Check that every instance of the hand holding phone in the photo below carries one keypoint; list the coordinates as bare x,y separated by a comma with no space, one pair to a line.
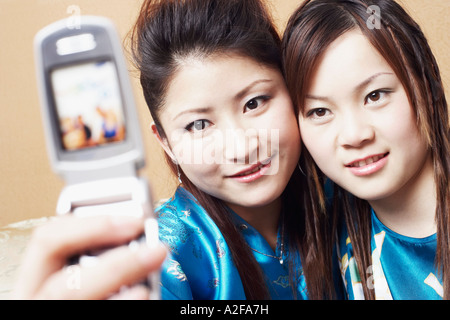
92,128
41,275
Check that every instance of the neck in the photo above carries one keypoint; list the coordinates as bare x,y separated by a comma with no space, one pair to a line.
264,219
411,210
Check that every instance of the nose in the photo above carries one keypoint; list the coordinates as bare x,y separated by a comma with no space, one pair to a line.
241,144
355,131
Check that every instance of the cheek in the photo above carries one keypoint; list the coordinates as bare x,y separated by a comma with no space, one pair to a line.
200,159
287,126
190,150
409,146
201,175
290,135
398,124
317,144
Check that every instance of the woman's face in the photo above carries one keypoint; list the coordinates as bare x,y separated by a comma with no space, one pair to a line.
231,127
358,123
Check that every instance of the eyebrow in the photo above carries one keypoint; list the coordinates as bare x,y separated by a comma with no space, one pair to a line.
244,91
239,95
358,88
195,110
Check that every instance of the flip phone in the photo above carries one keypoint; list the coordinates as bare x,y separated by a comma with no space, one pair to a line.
91,126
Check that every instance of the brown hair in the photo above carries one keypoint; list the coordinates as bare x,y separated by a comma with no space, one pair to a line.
171,30
398,38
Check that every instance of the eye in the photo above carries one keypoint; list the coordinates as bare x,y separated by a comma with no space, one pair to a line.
318,113
321,112
254,103
376,96
198,125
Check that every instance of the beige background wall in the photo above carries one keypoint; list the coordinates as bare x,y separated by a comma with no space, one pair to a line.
28,187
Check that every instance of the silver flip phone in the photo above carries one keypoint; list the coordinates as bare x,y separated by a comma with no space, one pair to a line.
91,125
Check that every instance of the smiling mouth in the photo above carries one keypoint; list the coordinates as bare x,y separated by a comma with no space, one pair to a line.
253,169
253,173
246,173
366,161
369,165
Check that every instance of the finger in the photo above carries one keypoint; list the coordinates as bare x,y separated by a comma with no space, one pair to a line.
137,292
52,244
71,235
114,269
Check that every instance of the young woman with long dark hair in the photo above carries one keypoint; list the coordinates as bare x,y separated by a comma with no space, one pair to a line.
374,119
237,227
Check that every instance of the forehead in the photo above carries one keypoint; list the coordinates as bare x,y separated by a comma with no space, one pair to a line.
350,58
213,80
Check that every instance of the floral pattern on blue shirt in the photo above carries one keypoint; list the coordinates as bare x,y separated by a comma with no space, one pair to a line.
402,267
200,265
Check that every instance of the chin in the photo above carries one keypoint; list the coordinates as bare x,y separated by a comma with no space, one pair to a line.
258,199
370,195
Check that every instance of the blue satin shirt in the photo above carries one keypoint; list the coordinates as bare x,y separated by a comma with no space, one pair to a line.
200,265
402,267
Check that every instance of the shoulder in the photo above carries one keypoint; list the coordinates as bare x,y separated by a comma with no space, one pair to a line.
182,197
177,219
178,207
199,255
186,228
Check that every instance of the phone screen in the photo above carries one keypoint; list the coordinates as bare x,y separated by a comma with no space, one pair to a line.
88,105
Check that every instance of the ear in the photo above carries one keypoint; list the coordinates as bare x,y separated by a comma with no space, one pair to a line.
163,142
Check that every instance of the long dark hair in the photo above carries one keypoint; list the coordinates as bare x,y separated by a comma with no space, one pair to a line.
171,30
168,31
398,38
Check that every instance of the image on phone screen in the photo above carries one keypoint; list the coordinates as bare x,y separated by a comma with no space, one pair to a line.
88,105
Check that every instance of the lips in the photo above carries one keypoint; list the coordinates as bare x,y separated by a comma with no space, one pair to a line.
366,161
368,165
252,173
